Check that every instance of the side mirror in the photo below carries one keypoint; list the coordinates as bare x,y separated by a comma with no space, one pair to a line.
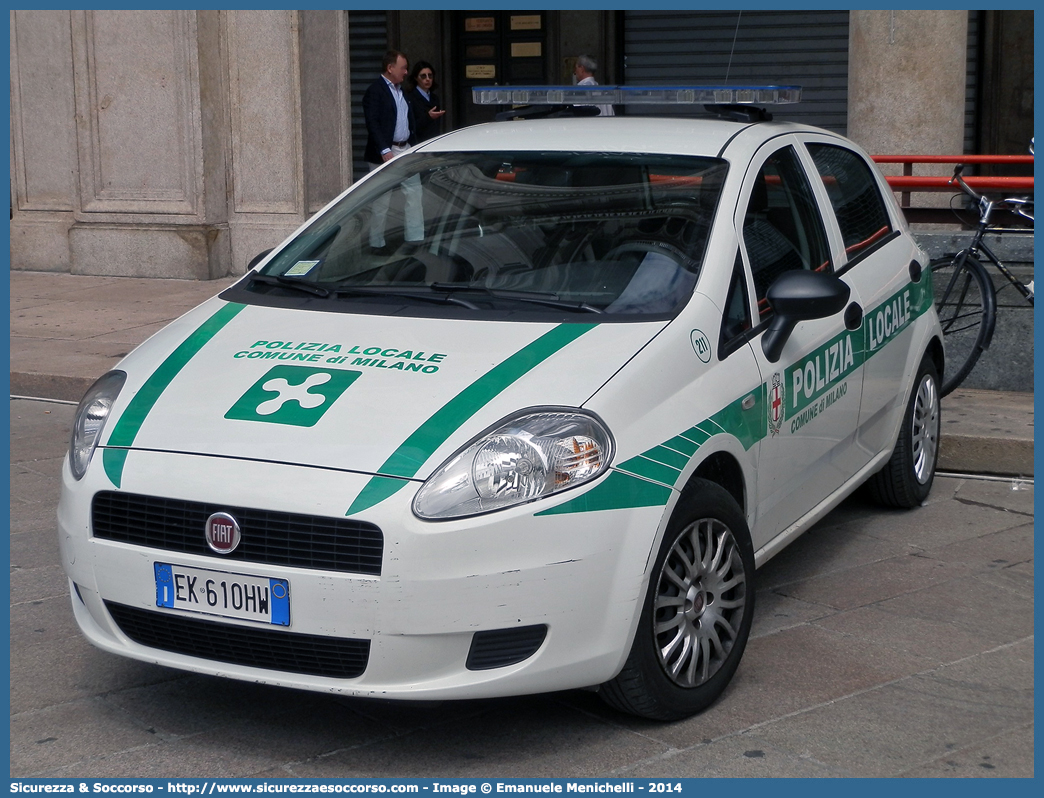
799,296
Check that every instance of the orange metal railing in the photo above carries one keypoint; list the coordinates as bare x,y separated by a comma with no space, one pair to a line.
908,181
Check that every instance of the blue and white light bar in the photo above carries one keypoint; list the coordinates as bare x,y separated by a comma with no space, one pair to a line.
636,95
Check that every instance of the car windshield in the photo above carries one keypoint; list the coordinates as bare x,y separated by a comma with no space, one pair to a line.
536,232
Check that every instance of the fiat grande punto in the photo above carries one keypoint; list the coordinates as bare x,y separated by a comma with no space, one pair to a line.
523,410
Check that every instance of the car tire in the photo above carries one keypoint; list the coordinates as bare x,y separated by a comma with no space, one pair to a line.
697,611
906,480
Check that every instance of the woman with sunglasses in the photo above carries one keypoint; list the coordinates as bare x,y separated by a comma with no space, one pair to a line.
427,110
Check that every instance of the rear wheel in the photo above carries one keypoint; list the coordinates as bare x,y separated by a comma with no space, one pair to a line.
697,612
906,479
967,308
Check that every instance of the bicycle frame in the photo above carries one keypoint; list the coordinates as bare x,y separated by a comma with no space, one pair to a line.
967,304
978,246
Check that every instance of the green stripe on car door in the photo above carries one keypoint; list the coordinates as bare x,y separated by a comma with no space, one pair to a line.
141,404
749,425
407,460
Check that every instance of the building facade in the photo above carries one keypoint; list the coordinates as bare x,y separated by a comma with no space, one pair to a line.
177,143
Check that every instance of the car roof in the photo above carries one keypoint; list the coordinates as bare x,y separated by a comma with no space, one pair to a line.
666,135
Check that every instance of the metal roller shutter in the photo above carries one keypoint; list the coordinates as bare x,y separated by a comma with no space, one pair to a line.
971,102
367,43
804,48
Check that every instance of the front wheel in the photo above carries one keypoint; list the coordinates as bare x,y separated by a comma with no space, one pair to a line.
907,477
697,611
967,308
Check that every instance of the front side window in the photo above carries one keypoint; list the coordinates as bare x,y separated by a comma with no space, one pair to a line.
860,210
546,233
782,228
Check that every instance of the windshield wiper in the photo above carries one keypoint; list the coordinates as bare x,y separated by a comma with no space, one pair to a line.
534,297
317,290
289,282
445,293
421,294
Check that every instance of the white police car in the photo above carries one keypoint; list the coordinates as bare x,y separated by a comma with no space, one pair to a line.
521,411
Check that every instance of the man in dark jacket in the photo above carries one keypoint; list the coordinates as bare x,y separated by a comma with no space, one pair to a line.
389,122
390,129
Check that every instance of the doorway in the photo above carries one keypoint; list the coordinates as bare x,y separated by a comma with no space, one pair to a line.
497,47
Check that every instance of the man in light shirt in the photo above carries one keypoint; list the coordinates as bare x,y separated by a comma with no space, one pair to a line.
583,72
390,132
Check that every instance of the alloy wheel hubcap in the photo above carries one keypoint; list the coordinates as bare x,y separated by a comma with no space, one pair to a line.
925,429
695,602
700,599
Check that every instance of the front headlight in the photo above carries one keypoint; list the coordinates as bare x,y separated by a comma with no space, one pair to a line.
526,457
90,419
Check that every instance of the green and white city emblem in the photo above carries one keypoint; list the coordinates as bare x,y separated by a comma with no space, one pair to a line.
296,395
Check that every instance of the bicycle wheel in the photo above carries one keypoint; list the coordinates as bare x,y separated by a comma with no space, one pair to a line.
967,307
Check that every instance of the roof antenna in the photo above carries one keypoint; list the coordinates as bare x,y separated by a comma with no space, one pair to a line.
739,113
733,50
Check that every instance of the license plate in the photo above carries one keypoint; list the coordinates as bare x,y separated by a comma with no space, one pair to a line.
228,595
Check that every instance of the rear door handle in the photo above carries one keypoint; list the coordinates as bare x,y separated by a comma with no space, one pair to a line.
853,316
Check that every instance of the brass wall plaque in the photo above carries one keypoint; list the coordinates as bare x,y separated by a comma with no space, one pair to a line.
480,24
526,49
480,71
484,51
525,22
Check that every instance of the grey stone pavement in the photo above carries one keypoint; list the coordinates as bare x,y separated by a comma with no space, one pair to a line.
884,643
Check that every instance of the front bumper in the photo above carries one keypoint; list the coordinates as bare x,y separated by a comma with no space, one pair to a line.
581,576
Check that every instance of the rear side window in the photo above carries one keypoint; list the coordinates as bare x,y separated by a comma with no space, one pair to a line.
860,210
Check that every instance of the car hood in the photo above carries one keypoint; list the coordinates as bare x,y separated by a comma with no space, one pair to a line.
372,394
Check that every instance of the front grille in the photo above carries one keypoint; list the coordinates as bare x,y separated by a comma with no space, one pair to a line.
298,541
497,648
315,655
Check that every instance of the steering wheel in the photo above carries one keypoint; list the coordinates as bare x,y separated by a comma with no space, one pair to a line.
657,247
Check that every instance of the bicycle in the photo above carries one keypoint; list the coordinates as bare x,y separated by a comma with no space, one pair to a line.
966,299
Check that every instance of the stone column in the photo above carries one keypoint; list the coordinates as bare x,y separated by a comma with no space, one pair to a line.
289,122
264,86
171,143
147,184
906,85
43,140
